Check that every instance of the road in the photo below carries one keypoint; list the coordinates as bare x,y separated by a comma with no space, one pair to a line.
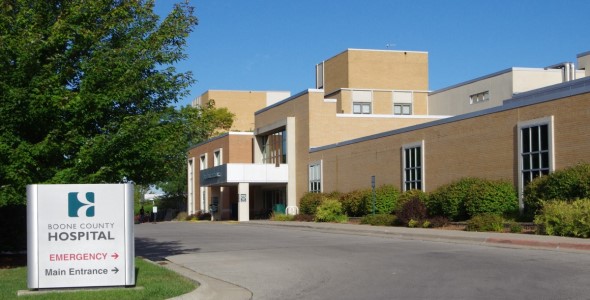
299,263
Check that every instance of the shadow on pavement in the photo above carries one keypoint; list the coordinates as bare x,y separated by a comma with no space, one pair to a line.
157,251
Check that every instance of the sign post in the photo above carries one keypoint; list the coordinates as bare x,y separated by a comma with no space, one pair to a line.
80,235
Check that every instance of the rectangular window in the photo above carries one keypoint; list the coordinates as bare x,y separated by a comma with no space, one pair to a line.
402,109
203,162
315,177
274,148
479,97
536,150
217,158
361,108
413,166
402,103
361,102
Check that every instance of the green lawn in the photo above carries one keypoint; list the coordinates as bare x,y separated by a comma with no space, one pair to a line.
157,283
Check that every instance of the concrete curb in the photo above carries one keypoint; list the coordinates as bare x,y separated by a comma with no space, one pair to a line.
513,240
209,287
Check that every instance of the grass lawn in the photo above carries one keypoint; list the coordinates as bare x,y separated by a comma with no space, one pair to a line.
158,283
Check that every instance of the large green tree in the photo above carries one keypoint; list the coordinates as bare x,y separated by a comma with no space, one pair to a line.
86,89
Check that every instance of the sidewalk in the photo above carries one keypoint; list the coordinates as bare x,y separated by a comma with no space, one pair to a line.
211,288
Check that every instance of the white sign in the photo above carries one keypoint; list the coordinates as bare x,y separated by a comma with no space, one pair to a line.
80,235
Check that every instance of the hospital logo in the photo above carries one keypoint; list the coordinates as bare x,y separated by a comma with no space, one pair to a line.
79,206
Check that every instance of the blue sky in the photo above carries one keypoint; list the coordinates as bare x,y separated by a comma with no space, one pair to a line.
275,44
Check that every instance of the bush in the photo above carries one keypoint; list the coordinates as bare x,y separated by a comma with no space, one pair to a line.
409,195
355,203
386,197
566,184
181,216
515,227
564,218
413,210
491,197
438,221
303,218
330,211
310,201
281,217
486,222
469,197
379,220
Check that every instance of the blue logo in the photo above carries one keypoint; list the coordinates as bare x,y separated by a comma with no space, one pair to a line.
80,207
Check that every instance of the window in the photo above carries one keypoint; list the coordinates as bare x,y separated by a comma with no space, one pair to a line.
535,147
361,108
361,102
203,162
412,158
402,109
402,103
217,159
274,148
479,97
319,76
315,177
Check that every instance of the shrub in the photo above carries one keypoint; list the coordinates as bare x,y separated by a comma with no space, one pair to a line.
379,220
515,227
566,184
564,218
181,216
309,202
386,197
469,197
438,221
415,210
355,203
486,222
330,211
281,217
203,216
409,195
491,197
303,218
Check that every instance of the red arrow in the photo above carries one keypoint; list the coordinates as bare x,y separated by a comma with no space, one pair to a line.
115,255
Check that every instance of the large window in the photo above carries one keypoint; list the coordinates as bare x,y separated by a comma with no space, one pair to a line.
535,147
315,177
274,148
413,166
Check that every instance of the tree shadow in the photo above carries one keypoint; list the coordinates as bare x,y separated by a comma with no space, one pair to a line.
157,251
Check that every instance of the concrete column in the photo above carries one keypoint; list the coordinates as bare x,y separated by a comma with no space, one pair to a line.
243,201
292,208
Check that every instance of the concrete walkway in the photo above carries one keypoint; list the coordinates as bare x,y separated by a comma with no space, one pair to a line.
211,288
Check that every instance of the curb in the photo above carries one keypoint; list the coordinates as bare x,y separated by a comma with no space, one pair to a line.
209,287
554,243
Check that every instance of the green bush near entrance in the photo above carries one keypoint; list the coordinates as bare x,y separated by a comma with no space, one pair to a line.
564,218
330,211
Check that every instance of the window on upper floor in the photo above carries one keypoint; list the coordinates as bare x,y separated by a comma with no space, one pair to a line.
315,177
413,166
362,102
274,148
479,97
217,158
402,103
203,162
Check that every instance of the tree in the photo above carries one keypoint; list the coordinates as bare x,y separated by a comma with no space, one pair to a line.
86,89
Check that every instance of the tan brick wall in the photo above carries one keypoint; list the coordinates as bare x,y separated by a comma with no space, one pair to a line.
484,146
241,103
